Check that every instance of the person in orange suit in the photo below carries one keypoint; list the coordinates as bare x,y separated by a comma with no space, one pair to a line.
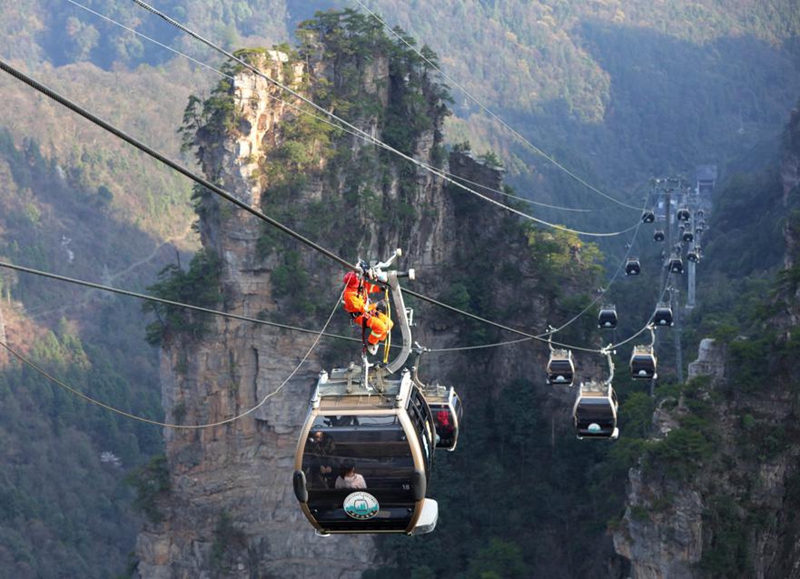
379,324
356,294
365,314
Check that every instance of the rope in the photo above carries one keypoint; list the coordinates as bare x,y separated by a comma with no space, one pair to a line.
96,402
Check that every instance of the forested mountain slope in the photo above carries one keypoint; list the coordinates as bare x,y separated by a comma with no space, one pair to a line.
617,91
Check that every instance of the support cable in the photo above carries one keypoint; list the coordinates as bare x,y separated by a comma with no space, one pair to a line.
222,193
168,302
169,162
416,162
365,136
533,147
126,414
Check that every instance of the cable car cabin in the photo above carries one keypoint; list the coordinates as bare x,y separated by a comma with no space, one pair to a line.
447,414
632,266
648,217
688,237
643,363
663,315
693,255
700,214
560,368
675,265
683,214
658,235
607,318
595,411
364,456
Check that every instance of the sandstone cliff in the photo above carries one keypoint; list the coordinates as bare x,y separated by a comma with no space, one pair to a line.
231,510
240,473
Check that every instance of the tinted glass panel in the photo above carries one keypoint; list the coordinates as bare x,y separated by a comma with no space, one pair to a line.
560,367
590,410
376,447
459,409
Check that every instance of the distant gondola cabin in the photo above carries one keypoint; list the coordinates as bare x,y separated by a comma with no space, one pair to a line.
448,415
663,315
632,266
607,318
560,368
595,411
643,363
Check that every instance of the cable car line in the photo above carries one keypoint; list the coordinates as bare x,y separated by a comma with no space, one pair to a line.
362,135
604,290
222,193
518,198
169,162
377,142
169,302
173,426
533,147
153,40
218,191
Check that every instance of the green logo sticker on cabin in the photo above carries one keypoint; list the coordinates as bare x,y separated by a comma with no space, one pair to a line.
361,506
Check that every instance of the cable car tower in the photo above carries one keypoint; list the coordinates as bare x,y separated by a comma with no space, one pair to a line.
365,452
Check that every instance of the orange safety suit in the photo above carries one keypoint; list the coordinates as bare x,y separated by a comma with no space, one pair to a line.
379,324
356,302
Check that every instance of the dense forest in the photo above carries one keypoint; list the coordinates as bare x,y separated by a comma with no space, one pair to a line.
711,82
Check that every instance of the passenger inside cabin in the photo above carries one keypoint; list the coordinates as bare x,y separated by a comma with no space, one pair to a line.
348,477
320,445
444,428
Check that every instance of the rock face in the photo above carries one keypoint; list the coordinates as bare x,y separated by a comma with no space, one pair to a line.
241,470
710,361
231,510
661,543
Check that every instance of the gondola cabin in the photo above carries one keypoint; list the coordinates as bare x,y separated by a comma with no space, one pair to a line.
688,237
643,363
683,214
632,266
607,318
364,456
663,315
560,368
659,235
648,217
693,255
700,214
448,414
595,411
675,265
